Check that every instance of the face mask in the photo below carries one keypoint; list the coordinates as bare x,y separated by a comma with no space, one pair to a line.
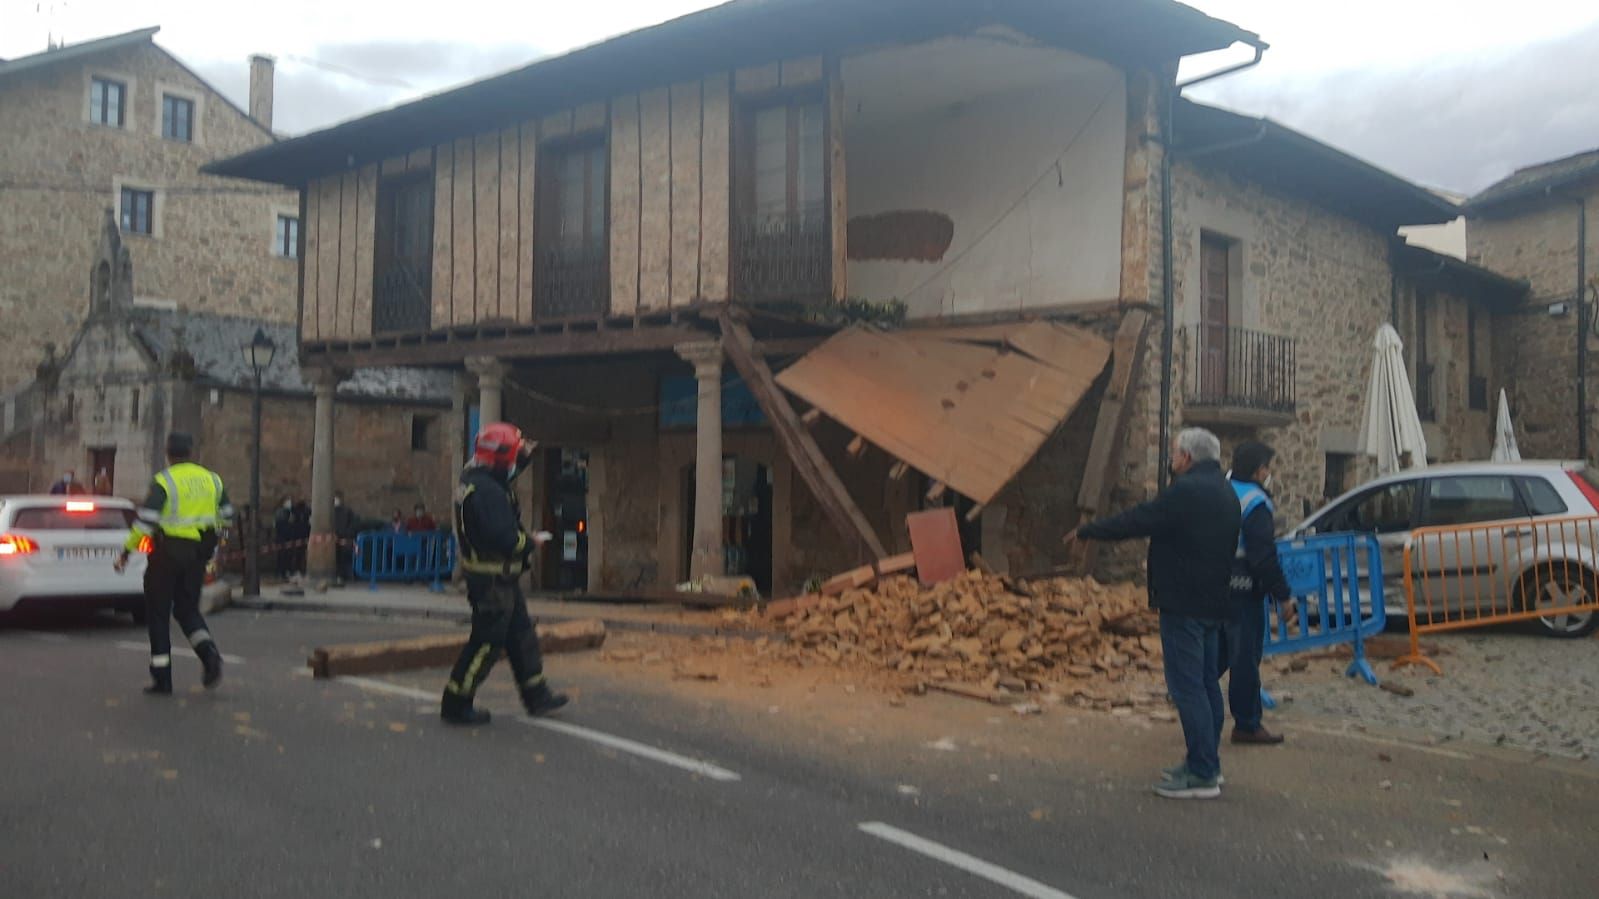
1266,482
337,502
287,504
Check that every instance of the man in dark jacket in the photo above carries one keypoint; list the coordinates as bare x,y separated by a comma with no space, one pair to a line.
495,552
1192,528
1257,575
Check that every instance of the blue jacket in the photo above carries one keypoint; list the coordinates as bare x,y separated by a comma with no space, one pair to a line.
1256,572
1192,528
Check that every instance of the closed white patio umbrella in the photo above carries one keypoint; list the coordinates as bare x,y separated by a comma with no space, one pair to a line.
1391,429
1505,449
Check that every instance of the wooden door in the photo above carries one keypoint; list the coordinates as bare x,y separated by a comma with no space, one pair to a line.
1214,278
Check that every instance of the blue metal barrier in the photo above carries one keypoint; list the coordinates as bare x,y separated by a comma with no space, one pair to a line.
1337,580
393,556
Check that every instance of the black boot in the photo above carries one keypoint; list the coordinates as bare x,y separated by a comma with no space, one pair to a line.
457,709
211,658
540,700
160,682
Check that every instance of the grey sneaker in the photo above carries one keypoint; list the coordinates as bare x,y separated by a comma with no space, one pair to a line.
1182,768
1186,786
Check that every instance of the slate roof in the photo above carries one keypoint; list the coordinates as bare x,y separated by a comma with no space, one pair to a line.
1535,179
76,51
216,343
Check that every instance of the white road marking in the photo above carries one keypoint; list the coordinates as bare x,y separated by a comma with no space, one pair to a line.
1012,881
621,744
133,646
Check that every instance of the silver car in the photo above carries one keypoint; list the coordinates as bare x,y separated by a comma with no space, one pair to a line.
1539,553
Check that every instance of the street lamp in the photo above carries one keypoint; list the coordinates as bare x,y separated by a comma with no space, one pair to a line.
258,352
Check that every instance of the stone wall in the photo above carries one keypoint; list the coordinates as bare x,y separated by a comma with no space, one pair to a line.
1538,242
213,250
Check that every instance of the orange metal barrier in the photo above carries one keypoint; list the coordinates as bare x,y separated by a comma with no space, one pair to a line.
1496,573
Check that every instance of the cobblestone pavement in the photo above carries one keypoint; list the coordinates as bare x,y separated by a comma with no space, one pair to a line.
1504,687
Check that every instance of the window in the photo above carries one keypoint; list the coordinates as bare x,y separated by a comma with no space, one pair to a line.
402,271
1469,499
59,518
286,239
1426,398
1476,381
1335,476
572,268
138,211
1381,510
420,424
177,118
133,410
1542,498
107,102
781,235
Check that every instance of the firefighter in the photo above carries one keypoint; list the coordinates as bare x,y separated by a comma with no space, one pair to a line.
495,552
178,523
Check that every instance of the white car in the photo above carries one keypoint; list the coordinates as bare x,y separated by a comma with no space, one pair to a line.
57,552
1534,557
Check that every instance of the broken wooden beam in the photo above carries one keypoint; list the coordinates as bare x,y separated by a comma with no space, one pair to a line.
856,446
1100,474
936,491
801,447
975,512
969,691
811,417
898,471
866,574
440,650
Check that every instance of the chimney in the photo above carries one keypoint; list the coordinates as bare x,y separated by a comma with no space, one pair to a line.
261,70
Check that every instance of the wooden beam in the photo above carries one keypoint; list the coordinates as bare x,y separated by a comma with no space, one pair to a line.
796,440
522,345
898,471
811,417
856,446
936,491
440,650
975,512
1110,430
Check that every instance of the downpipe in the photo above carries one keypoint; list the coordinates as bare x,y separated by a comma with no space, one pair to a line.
1168,298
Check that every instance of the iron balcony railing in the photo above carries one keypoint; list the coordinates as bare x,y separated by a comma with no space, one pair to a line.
572,282
402,298
1241,369
782,258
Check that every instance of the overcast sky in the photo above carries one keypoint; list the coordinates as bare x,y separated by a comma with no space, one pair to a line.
1452,93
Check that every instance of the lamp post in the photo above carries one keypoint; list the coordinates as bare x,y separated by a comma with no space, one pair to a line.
258,352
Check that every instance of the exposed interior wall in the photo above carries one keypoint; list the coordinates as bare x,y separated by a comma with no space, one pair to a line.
1021,150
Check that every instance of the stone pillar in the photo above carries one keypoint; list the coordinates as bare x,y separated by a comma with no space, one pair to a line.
706,557
490,389
321,559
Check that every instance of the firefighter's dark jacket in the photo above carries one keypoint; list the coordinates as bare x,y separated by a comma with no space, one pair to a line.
490,527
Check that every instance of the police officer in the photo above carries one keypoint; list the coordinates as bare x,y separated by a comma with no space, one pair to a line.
495,552
1257,576
179,519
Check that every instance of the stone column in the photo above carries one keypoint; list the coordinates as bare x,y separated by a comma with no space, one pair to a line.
321,559
490,389
706,557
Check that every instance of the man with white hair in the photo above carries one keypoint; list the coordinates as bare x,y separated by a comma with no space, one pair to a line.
1192,528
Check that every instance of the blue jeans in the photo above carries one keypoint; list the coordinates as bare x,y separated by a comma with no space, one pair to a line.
1243,642
1192,647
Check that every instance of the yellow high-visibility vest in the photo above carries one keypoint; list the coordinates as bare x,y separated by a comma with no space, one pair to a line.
195,503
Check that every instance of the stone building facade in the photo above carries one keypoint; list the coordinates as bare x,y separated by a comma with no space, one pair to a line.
1526,227
131,374
85,123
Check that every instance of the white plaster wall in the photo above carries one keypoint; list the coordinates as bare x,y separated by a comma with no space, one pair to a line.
1027,232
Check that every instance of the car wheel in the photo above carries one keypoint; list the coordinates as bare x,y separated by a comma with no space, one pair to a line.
1556,586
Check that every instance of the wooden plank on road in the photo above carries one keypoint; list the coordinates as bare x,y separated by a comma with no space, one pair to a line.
440,650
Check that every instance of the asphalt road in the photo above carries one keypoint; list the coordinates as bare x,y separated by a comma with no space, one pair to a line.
278,785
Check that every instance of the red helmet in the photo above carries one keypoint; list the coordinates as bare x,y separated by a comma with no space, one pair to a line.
498,444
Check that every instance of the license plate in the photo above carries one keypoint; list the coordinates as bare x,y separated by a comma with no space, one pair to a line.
84,553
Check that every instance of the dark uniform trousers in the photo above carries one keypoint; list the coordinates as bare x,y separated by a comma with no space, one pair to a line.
173,579
500,624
